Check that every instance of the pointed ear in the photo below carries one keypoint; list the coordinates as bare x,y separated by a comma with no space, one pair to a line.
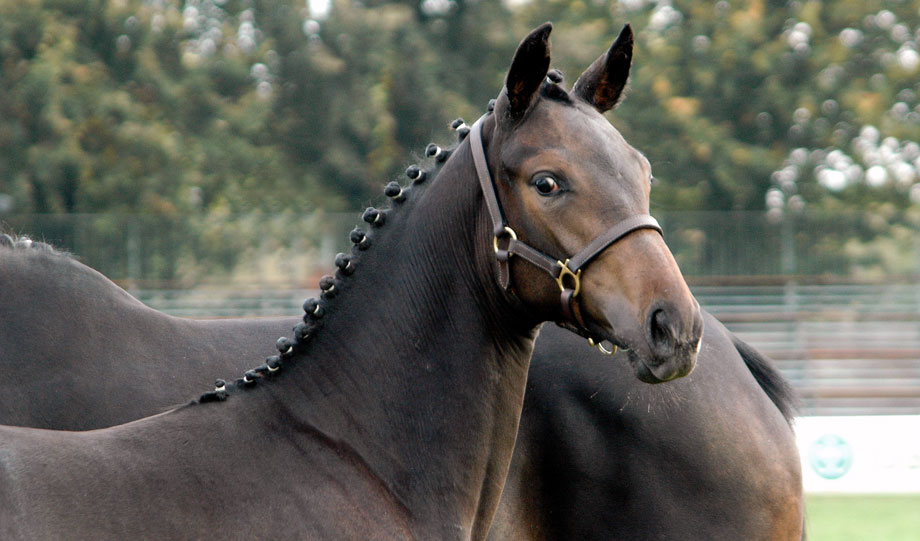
527,71
603,82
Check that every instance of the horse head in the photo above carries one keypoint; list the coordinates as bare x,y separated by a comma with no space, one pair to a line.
572,234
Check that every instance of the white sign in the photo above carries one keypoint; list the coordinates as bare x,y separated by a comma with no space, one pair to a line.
865,454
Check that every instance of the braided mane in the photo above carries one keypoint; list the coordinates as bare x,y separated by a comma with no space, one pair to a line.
316,309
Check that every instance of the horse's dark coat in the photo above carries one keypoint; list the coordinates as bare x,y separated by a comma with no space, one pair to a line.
398,417
600,456
574,472
77,352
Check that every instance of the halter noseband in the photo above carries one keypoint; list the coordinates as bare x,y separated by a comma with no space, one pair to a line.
566,273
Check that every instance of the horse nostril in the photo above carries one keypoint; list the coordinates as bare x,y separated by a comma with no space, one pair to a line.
659,328
672,335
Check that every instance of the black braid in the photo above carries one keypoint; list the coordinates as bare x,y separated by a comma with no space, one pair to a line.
329,284
249,379
285,347
395,192
420,177
302,332
373,216
313,308
343,262
219,394
360,240
273,363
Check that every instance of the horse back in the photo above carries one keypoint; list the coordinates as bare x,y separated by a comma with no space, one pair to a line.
78,352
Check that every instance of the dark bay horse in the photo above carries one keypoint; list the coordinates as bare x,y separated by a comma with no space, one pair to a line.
77,352
392,411
707,457
574,472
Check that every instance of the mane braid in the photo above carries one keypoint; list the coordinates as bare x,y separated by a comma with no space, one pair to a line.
552,88
315,310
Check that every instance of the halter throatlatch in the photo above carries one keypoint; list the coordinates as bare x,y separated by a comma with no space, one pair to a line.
566,273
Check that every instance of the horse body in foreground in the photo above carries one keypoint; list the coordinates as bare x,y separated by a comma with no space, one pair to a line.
397,418
576,471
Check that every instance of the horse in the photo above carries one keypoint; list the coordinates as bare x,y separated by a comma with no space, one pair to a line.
77,352
393,409
709,456
584,418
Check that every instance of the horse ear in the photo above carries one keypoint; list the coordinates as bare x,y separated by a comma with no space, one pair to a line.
528,70
603,82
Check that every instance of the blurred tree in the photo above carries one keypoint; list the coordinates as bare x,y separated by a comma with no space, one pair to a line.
211,108
131,106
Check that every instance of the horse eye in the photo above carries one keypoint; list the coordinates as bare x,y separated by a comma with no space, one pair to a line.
546,185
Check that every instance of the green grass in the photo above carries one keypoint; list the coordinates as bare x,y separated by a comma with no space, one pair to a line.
863,517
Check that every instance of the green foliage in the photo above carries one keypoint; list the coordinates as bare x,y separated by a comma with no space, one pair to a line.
212,108
129,107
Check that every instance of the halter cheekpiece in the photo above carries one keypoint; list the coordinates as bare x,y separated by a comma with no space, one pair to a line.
566,273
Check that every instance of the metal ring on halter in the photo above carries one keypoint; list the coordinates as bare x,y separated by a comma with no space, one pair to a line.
566,271
600,347
507,230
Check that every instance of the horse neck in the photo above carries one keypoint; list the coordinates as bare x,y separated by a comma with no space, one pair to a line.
417,370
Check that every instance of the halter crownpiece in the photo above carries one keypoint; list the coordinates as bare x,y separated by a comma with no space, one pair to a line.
566,273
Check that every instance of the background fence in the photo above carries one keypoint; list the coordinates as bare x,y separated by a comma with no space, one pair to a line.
835,302
714,247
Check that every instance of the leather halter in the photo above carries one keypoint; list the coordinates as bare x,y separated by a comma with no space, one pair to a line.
566,273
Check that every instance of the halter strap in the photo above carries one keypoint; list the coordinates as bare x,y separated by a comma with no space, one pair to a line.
568,273
499,225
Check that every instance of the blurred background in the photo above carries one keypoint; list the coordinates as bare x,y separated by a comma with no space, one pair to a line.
211,155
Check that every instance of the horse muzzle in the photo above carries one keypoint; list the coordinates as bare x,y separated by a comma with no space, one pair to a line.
667,345
673,338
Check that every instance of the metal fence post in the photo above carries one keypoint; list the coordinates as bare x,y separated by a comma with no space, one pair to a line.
133,249
787,239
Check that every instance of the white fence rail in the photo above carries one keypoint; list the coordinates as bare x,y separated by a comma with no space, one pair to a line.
848,350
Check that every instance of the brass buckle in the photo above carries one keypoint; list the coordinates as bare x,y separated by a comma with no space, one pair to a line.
509,232
566,271
600,347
